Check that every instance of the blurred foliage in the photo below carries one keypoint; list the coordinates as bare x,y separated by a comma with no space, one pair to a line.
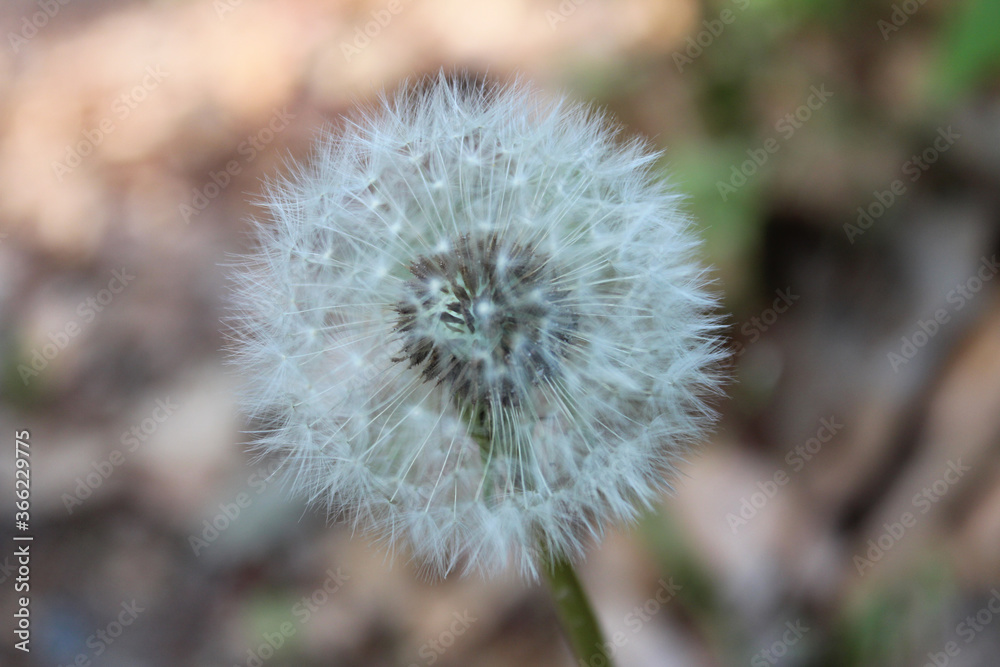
968,48
890,624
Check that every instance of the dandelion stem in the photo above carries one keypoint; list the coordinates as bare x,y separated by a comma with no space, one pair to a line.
577,616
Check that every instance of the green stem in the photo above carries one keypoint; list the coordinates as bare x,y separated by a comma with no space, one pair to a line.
576,614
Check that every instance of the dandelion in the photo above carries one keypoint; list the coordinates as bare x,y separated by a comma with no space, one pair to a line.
476,326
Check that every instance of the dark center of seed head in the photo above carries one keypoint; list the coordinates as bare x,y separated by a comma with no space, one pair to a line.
486,318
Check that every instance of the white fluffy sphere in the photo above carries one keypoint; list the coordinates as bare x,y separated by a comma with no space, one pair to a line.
475,325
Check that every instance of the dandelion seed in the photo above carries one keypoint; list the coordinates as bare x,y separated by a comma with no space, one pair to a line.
480,321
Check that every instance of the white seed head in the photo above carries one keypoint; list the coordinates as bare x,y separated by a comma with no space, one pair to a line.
475,326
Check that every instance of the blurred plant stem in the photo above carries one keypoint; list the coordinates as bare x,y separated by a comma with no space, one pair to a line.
575,612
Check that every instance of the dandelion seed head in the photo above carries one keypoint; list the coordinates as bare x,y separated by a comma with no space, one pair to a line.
477,325
486,319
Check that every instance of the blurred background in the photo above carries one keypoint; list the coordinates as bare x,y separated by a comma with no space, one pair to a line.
843,161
